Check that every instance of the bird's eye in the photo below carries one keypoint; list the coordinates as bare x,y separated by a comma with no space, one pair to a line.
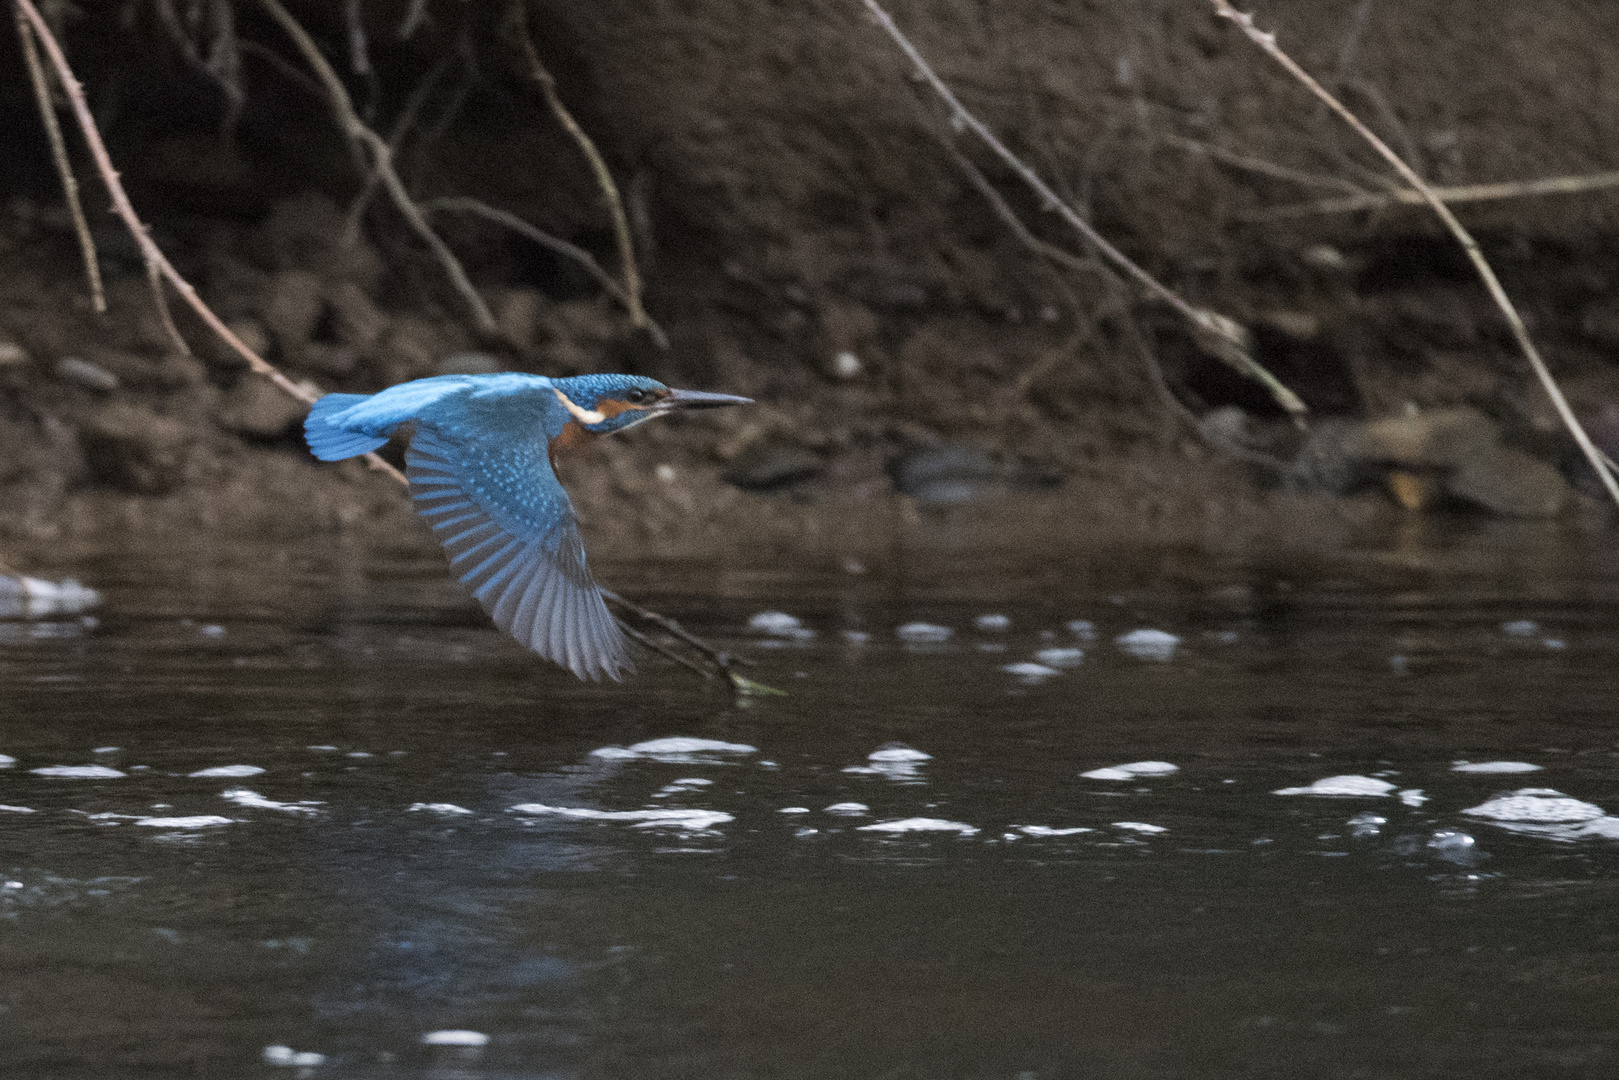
635,397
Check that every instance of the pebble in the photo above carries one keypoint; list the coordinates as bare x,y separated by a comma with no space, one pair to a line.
71,369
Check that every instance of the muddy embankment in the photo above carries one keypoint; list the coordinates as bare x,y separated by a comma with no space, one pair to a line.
806,238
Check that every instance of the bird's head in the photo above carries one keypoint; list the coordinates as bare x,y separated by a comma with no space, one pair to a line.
603,404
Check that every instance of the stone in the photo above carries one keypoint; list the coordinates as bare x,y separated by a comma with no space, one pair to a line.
1510,483
957,472
773,462
131,447
71,369
257,408
1439,438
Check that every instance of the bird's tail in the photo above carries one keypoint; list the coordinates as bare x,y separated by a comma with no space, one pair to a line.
331,441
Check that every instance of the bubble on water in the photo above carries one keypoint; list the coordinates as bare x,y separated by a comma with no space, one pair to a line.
455,1038
675,750
77,772
686,820
848,809
993,623
253,800
1047,830
1148,644
793,810
212,630
1060,658
1366,824
922,633
197,821
1132,770
1413,797
1540,806
1083,629
1139,826
1342,786
1455,847
1027,669
1494,767
227,771
287,1056
895,761
1521,627
920,824
1555,643
447,808
780,624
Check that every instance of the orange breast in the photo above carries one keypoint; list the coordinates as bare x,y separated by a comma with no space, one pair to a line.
574,435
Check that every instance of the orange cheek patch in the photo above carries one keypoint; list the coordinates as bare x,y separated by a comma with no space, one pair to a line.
611,407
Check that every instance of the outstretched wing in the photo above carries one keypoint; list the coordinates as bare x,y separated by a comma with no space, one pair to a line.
508,527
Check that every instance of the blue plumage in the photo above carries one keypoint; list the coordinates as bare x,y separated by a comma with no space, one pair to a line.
480,471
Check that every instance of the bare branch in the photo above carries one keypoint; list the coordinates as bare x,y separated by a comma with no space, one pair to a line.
1520,333
381,159
1515,189
1214,332
64,169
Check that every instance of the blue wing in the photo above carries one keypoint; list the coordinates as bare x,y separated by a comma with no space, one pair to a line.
508,526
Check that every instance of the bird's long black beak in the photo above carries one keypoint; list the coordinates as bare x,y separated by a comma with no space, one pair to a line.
699,399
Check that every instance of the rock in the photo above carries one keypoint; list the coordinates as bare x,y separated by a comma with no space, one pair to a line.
957,472
131,447
772,462
292,308
358,321
257,408
71,369
1510,483
1440,438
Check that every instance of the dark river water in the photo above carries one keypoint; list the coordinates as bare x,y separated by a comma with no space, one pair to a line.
434,840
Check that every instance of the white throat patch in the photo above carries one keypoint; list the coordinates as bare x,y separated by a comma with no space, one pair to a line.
584,416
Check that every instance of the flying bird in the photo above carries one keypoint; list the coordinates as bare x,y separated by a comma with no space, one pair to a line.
482,470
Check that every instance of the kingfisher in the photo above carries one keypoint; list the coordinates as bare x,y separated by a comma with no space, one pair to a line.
482,469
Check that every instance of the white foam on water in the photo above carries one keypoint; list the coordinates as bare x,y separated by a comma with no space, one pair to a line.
1139,826
1413,797
227,771
1521,627
455,1038
1494,767
1342,786
106,750
896,761
35,597
898,752
253,800
1132,770
1539,806
1605,827
920,824
689,820
16,809
1028,669
1083,629
287,1056
77,772
848,809
676,787
1148,644
1060,658
7,761
197,821
437,808
1047,830
923,633
320,748
1366,824
675,749
856,637
793,810
780,624
993,623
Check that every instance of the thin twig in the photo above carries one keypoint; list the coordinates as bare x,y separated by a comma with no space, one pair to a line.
414,14
1216,333
1520,333
381,159
149,250
396,137
578,254
64,169
1263,167
284,68
604,176
160,300
635,635
724,661
1515,189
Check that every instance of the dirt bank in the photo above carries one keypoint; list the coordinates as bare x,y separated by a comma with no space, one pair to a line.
805,238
